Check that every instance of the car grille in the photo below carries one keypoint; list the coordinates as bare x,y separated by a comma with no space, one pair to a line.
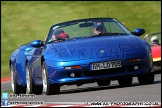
104,72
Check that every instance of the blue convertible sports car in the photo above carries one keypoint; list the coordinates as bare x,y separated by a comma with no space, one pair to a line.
82,51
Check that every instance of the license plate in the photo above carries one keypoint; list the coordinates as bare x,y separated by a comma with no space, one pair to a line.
106,65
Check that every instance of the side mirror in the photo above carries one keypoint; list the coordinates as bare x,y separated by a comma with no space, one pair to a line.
37,43
139,31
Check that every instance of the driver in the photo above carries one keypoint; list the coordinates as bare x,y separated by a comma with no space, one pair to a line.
155,40
99,28
59,34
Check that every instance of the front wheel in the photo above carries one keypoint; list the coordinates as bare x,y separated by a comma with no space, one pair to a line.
17,89
49,89
146,78
31,87
125,81
103,82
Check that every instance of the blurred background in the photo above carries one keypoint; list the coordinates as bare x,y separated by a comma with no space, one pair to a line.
24,21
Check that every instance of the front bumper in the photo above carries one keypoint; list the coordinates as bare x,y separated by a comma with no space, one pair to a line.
58,75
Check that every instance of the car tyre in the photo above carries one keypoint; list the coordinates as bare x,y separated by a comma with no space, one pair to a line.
49,89
146,78
31,87
125,81
103,82
17,89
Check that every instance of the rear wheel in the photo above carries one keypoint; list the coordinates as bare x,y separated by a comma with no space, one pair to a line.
125,81
17,89
146,78
49,89
103,82
31,87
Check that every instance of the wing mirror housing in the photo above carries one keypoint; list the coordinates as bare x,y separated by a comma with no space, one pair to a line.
37,43
139,31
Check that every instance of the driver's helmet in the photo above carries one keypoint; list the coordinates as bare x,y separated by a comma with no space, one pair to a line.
99,26
59,33
155,40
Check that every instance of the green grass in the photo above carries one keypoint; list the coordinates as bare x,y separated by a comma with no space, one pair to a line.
8,91
24,21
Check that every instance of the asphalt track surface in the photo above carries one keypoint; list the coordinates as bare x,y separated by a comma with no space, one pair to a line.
92,92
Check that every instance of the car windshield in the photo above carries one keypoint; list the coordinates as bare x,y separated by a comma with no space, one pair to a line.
154,38
85,28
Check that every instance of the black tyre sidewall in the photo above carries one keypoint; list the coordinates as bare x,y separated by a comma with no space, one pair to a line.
146,78
18,89
36,89
125,81
103,82
51,88
30,78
